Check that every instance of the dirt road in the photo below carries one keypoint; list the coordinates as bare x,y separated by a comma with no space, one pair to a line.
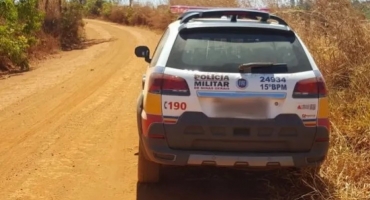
68,128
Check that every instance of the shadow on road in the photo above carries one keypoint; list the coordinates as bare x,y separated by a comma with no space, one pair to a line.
88,43
91,42
226,184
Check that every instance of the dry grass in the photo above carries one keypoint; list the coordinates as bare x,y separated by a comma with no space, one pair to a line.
340,43
141,15
46,45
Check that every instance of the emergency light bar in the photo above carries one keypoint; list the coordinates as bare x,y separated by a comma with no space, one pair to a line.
181,9
191,12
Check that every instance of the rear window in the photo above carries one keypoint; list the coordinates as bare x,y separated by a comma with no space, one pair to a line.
224,49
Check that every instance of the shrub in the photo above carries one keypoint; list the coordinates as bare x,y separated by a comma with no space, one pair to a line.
31,25
106,9
19,23
118,15
71,33
94,7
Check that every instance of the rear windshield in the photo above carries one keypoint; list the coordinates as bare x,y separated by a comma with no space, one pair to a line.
224,49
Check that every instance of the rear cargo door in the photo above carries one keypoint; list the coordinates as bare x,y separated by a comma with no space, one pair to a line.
229,109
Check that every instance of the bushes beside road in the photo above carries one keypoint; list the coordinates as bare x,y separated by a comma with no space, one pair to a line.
335,33
19,24
30,28
149,15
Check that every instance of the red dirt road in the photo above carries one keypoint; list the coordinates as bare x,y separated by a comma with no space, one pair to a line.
68,129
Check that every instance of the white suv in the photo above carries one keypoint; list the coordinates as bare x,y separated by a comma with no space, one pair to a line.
231,88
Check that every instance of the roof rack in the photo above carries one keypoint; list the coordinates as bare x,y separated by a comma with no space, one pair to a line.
232,12
278,19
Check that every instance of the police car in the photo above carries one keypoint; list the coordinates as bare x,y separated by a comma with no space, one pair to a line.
231,87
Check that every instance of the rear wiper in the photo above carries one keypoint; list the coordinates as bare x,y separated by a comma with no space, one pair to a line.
245,66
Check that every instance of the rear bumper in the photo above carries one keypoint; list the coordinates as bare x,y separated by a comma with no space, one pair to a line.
197,132
263,153
158,151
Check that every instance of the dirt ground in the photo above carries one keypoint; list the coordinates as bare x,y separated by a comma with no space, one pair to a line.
68,129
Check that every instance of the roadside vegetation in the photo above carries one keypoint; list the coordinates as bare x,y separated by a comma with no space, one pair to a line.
35,28
337,34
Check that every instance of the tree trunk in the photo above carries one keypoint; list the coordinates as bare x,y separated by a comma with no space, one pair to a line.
46,6
60,7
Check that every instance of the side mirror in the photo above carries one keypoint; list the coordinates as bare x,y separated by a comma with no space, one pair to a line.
143,52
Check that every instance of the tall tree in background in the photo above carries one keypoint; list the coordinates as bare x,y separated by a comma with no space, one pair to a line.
53,12
51,8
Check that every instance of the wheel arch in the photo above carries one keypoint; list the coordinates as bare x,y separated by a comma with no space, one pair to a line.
139,110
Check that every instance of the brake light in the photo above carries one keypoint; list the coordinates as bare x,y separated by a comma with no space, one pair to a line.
310,88
324,122
150,119
168,85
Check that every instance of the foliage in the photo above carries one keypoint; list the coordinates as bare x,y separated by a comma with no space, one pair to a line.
19,23
94,7
107,9
71,25
23,27
363,7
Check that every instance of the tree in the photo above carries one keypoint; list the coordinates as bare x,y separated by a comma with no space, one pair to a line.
292,3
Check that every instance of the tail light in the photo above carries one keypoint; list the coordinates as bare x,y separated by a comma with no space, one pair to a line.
168,85
310,88
150,119
313,88
324,122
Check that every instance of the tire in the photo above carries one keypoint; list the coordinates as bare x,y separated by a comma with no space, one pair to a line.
148,171
139,108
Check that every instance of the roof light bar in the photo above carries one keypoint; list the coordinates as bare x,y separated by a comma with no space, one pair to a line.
192,12
217,13
181,9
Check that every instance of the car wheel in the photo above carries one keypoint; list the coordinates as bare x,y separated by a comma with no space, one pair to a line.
148,171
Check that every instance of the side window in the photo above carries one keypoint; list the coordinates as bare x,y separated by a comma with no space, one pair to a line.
158,50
